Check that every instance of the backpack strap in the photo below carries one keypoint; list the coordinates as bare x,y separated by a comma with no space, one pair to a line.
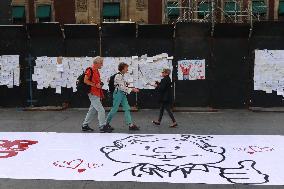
91,70
114,78
91,74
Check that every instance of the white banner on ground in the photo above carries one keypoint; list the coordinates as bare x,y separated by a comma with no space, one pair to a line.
170,158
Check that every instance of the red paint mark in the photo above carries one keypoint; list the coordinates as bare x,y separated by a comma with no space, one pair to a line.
81,170
77,164
12,148
254,149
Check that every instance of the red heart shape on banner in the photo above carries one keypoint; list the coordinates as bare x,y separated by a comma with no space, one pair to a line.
259,149
74,164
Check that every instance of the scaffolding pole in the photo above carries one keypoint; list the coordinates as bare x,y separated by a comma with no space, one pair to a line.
206,11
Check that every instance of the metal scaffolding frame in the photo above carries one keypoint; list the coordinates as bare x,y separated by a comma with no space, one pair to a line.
193,11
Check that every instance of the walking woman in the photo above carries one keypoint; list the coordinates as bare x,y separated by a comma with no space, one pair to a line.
164,90
120,97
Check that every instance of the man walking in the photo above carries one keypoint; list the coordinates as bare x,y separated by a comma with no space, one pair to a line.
95,96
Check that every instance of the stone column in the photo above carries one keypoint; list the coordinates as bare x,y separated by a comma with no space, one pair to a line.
81,11
124,10
138,11
276,7
92,11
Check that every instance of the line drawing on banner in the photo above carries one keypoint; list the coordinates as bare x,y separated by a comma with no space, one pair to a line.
183,156
10,149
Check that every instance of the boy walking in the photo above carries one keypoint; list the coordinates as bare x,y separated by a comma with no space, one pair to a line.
164,90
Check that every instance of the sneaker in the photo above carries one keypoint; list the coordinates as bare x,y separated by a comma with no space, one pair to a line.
105,129
87,128
110,127
156,123
134,128
174,125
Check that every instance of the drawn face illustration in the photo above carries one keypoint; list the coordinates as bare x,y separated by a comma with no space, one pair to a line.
180,150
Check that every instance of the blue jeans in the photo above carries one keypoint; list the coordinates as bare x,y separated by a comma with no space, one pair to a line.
119,97
96,106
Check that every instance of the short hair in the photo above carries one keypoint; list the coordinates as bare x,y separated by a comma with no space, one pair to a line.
121,66
97,59
167,71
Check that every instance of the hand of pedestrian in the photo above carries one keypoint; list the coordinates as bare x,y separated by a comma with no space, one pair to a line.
99,86
135,90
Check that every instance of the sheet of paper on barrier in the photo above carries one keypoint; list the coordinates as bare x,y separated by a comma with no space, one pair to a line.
269,71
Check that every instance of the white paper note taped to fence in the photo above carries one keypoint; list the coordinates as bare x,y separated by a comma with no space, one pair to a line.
9,70
170,158
269,71
150,72
48,72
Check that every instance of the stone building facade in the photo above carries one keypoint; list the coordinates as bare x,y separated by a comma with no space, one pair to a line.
92,11
32,11
140,11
